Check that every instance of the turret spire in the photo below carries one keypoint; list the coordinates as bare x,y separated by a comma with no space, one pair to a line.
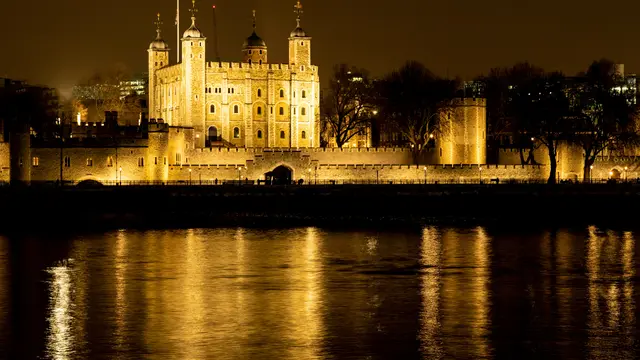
297,9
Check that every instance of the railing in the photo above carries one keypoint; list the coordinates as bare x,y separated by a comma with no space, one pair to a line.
208,183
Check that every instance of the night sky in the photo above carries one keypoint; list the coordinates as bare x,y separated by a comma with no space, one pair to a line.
60,42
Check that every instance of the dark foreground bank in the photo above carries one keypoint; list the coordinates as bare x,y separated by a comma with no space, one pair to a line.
156,207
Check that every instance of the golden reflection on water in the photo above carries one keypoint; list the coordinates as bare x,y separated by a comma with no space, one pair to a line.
455,291
430,261
5,283
610,270
120,274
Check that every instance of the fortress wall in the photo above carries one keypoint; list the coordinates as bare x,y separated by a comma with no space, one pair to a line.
4,162
300,170
49,160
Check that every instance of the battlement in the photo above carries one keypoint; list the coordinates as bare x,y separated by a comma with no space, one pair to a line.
476,167
253,66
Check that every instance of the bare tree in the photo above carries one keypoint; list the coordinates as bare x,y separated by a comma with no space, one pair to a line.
542,111
414,102
348,108
606,115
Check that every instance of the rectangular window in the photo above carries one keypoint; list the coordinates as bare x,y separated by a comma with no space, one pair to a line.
89,162
155,160
109,161
35,161
178,158
67,161
165,160
140,162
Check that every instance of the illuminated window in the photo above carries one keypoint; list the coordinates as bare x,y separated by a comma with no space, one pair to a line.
259,110
303,111
281,93
67,161
304,134
259,134
282,135
236,109
212,109
236,133
259,92
109,161
140,162
35,161
304,94
281,110
89,162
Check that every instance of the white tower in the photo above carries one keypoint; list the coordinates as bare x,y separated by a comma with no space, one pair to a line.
193,79
158,58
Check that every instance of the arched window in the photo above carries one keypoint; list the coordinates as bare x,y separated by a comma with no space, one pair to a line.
304,134
213,133
281,110
236,109
259,110
294,111
303,111
260,60
282,135
236,133
212,109
259,92
304,94
249,59
259,134
281,93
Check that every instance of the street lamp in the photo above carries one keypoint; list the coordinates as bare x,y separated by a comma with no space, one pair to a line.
591,173
120,175
189,176
425,175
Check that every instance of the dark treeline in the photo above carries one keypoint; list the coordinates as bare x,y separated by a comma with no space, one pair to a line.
532,108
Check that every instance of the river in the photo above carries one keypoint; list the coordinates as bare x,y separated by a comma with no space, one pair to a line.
313,293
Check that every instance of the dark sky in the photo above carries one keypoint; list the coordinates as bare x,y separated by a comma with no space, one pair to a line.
59,42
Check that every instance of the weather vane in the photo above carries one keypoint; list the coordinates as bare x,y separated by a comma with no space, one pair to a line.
297,8
254,19
158,23
193,8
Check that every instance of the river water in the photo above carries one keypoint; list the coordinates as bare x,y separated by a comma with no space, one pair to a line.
311,293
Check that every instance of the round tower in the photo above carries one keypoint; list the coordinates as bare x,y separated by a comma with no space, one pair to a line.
299,43
193,74
158,58
254,50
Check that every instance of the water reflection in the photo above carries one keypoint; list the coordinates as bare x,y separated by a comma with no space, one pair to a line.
610,270
5,283
312,294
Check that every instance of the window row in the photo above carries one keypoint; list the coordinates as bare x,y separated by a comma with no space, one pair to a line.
236,133
218,90
236,110
35,161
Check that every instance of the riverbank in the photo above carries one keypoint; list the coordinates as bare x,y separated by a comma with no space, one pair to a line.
403,205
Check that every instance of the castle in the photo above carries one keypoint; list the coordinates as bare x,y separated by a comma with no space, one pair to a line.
225,121
252,104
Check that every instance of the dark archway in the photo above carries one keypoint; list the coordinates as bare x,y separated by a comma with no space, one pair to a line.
89,184
615,174
281,175
213,134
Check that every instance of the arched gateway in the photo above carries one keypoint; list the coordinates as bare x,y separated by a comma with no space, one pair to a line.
282,175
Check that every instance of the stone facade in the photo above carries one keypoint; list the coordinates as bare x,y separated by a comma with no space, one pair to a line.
243,104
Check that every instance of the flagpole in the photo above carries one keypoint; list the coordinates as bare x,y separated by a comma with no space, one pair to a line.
177,31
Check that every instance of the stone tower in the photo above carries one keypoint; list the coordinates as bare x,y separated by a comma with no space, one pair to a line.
158,58
299,44
254,50
193,79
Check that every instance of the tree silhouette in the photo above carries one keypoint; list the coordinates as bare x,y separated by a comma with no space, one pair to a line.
348,108
414,101
606,114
